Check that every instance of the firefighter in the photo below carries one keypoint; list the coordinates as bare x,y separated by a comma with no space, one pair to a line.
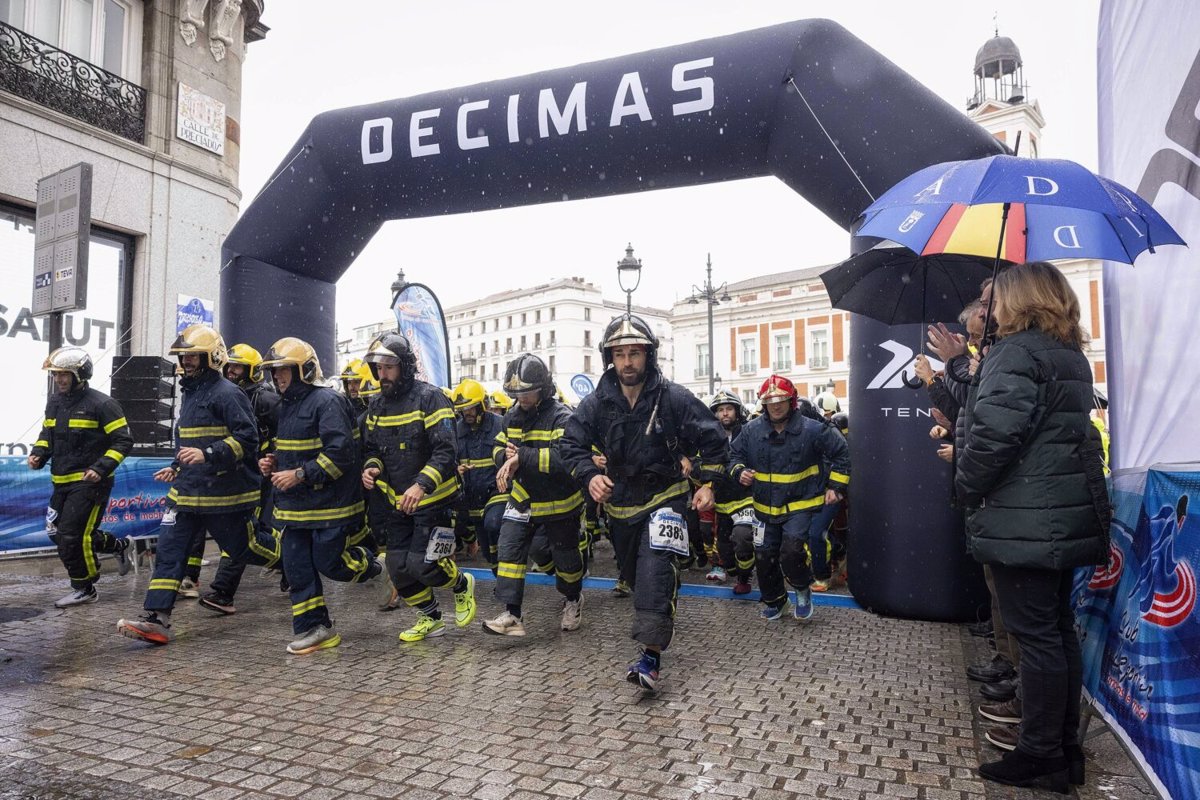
797,466
352,378
499,402
213,484
734,504
411,459
85,438
318,506
643,424
482,505
244,369
544,499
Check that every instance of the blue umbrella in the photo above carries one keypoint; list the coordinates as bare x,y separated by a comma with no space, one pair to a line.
1021,209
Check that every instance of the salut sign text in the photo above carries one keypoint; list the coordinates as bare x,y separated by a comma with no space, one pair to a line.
693,93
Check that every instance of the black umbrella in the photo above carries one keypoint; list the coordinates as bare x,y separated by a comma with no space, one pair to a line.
894,285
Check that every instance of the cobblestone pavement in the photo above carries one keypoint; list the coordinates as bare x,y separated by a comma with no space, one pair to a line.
848,705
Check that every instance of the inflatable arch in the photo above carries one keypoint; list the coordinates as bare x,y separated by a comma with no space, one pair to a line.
770,101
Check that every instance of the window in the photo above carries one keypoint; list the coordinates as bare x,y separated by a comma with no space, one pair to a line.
482,372
551,365
495,347
783,352
587,315
702,360
818,349
552,313
587,365
508,345
483,348
107,33
537,342
460,332
102,329
471,330
748,397
748,363
510,321
495,372
523,320
537,315
522,344
552,337
587,338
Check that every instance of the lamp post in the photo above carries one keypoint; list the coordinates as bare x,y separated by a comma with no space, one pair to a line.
629,270
709,294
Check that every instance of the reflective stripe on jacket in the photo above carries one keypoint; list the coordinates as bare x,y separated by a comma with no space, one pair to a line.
411,439
542,483
790,465
83,430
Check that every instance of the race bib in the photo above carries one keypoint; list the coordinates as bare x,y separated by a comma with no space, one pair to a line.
747,517
441,544
668,531
513,515
168,517
51,517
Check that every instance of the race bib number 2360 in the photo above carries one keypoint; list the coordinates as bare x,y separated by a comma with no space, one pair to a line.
668,531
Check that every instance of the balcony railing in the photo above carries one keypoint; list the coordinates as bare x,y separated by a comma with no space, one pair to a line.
40,72
818,362
747,369
700,372
781,366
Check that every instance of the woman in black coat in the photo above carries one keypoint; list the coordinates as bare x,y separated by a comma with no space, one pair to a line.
1031,514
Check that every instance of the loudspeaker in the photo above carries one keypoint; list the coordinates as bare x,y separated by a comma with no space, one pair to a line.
144,386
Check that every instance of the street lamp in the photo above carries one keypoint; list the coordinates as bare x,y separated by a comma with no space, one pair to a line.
629,270
709,294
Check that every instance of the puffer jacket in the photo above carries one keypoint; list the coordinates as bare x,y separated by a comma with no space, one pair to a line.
1021,471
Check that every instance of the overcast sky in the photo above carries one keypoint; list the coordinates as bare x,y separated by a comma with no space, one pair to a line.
320,56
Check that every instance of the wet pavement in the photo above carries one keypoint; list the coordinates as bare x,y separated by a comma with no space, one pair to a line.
847,705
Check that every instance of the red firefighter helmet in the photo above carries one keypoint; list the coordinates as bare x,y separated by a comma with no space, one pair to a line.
777,388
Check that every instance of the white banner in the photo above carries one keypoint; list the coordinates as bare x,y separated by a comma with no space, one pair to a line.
1149,89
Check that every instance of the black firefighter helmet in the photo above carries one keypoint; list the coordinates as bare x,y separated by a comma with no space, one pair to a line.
527,373
629,329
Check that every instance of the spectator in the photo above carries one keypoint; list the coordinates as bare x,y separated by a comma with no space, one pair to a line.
1031,515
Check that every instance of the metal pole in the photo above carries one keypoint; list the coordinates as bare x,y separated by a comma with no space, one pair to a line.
708,295
56,330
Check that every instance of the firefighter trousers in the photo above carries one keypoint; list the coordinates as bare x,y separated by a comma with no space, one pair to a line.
653,574
735,546
562,540
407,541
234,531
784,554
308,554
76,510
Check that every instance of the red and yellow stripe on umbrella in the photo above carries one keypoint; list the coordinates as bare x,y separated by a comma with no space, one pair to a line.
975,230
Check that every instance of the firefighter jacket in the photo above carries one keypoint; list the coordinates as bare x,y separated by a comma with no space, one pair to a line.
316,434
83,430
265,402
643,444
217,418
792,467
475,449
410,438
542,483
729,495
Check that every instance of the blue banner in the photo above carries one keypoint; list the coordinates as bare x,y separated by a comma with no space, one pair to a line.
582,386
419,317
134,509
1139,630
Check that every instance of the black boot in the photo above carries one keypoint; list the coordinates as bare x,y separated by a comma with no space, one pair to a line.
1018,769
1075,762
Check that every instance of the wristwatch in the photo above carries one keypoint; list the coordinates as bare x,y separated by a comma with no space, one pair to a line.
300,474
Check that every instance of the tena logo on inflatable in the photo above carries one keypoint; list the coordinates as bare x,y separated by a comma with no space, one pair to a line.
192,311
903,358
